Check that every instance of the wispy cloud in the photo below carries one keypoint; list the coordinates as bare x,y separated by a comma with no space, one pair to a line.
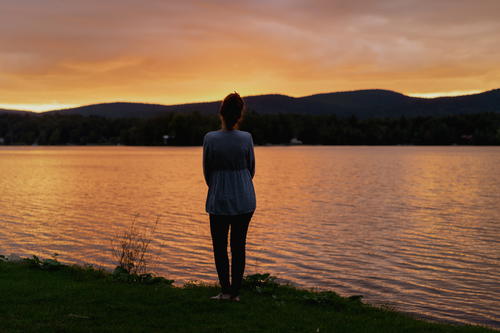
79,52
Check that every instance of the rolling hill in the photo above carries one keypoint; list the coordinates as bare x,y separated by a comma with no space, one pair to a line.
361,103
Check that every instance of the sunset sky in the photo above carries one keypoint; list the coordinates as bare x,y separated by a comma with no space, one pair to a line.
59,53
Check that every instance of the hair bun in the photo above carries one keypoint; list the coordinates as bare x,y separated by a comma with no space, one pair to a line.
232,109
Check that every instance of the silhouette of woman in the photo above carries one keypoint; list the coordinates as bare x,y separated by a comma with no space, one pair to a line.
229,167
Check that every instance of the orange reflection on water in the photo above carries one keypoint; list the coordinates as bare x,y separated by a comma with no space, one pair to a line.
411,226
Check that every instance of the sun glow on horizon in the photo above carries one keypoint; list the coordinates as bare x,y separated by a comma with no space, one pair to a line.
37,107
445,94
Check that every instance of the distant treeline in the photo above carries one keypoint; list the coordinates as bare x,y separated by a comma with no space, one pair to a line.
189,128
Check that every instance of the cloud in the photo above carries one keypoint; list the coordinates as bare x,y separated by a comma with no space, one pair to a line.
169,52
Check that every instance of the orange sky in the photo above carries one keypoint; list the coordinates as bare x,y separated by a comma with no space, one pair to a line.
56,53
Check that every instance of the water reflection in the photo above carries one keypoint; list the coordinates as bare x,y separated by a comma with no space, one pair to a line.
414,227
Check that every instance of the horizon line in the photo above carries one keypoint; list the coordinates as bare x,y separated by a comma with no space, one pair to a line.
40,108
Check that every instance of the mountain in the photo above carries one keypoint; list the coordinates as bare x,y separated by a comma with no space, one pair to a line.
361,103
5,111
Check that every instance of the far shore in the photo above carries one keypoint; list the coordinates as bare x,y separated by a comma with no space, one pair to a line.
256,145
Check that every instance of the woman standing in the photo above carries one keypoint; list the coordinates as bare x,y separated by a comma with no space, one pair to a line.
229,167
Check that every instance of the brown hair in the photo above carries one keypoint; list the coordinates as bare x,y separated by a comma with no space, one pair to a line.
231,110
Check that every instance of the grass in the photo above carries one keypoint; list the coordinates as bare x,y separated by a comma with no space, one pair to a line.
59,298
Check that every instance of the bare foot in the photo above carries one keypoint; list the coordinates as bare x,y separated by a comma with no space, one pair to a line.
221,296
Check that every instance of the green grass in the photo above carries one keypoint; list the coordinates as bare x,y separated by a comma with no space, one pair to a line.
77,299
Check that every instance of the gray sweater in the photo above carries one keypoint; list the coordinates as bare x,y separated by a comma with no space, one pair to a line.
229,167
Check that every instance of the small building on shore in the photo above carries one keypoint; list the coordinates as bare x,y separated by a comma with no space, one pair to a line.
167,138
295,141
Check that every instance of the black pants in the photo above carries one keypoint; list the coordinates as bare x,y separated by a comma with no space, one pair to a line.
219,228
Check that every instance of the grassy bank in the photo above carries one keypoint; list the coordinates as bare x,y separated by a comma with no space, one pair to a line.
77,299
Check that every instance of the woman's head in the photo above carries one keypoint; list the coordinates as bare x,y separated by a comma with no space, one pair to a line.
231,111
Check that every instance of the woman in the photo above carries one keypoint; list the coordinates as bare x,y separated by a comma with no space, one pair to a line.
229,167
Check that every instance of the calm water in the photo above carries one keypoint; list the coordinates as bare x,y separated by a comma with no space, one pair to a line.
416,228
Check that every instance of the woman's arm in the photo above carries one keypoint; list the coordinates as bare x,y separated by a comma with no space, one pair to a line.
206,161
251,158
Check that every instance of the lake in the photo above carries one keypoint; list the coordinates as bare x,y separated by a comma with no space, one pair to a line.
414,228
